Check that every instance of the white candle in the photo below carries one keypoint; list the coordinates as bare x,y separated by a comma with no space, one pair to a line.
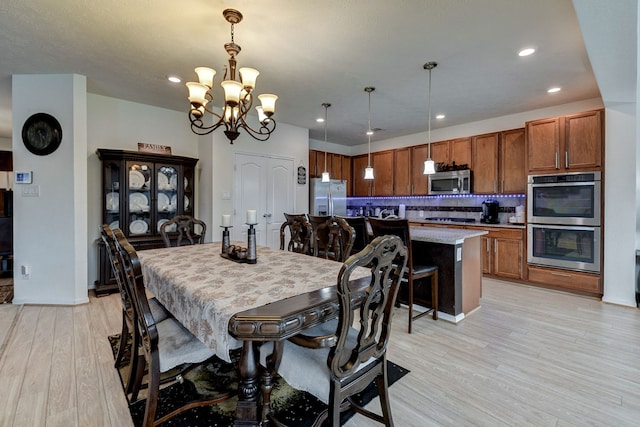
252,216
226,220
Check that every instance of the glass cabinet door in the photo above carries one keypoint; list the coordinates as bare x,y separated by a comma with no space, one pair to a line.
167,194
112,192
140,181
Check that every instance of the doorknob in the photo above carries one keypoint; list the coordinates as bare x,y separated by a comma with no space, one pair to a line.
267,215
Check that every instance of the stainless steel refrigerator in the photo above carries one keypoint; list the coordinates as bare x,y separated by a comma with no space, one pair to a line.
328,198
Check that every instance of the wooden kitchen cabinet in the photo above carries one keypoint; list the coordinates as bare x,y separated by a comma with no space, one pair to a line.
565,279
566,143
503,252
460,152
513,174
382,163
485,163
361,187
335,169
346,173
402,172
419,181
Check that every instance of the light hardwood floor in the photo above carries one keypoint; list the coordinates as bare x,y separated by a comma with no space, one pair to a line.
527,357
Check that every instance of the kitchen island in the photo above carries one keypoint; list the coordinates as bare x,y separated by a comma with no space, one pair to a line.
457,253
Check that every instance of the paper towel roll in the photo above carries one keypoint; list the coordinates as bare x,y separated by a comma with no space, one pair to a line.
402,211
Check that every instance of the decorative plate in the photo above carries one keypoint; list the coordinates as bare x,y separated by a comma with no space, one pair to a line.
163,202
186,202
163,181
136,179
113,201
138,227
138,202
114,225
173,182
170,228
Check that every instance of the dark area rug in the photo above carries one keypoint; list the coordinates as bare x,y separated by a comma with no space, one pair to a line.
292,407
6,293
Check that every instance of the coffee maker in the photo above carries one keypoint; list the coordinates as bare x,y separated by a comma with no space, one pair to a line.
490,210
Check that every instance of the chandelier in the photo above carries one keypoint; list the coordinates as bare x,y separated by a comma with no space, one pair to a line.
238,96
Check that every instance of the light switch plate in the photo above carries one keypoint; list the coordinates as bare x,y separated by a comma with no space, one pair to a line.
31,191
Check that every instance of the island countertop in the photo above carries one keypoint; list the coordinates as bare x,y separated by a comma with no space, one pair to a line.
447,236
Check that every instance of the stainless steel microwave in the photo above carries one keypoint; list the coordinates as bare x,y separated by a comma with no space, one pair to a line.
451,182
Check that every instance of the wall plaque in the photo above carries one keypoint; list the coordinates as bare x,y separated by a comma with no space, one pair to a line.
154,148
302,175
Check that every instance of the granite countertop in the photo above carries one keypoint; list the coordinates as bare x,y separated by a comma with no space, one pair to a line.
447,236
456,224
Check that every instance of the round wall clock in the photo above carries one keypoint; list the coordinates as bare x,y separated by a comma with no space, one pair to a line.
41,134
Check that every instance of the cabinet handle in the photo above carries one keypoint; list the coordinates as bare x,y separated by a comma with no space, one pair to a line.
488,245
412,189
566,160
495,246
557,161
560,274
495,186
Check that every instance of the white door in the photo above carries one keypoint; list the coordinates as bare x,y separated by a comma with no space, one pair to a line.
265,184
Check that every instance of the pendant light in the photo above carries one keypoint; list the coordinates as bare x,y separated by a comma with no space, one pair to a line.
368,171
429,165
325,174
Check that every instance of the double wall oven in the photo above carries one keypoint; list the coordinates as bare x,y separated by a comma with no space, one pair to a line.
564,221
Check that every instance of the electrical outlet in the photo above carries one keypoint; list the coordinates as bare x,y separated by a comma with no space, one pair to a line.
26,271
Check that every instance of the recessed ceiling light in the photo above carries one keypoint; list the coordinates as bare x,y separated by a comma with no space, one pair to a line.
526,52
174,79
320,120
440,116
554,90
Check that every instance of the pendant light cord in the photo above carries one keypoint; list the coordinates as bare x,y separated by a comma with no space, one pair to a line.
326,107
369,130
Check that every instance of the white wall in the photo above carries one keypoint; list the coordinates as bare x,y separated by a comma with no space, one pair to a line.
620,205
218,155
50,231
5,144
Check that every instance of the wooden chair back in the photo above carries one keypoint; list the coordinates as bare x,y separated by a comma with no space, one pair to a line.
299,233
185,233
359,224
321,236
340,237
394,227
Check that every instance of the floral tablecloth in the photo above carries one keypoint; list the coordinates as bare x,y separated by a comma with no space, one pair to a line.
203,290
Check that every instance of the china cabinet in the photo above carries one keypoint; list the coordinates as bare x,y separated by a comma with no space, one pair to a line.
141,191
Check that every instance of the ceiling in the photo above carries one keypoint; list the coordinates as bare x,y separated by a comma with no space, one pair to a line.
310,52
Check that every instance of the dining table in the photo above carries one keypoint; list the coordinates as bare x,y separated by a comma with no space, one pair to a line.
229,304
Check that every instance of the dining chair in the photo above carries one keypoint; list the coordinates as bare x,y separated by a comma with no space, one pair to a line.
357,355
322,236
183,230
339,239
359,224
164,345
299,233
415,271
157,310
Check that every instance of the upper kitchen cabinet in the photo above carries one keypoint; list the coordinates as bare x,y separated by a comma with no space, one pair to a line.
566,143
382,163
419,181
513,175
346,173
485,163
402,172
460,152
361,187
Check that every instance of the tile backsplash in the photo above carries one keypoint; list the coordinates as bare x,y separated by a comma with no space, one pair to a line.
422,207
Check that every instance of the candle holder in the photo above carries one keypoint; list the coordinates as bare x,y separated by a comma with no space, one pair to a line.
225,238
252,257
